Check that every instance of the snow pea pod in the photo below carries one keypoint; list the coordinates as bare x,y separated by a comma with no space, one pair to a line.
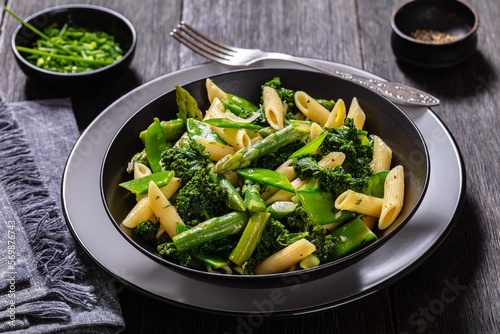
197,128
227,123
267,176
311,147
242,103
375,185
155,144
349,238
210,259
173,130
320,208
140,186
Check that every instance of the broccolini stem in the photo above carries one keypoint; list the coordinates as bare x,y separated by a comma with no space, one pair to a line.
213,229
250,238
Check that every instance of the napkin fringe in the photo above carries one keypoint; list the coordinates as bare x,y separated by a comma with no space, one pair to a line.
39,217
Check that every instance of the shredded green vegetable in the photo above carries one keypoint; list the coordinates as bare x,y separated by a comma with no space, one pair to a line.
70,49
93,50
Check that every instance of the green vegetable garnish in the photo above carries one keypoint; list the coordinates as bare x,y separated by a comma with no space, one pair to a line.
70,49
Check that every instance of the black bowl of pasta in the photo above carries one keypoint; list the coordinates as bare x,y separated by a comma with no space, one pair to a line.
259,185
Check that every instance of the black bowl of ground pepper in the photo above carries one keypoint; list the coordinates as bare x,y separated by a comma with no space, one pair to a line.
434,33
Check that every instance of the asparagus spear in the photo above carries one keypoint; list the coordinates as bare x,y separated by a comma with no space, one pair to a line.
251,192
271,143
250,238
188,107
212,229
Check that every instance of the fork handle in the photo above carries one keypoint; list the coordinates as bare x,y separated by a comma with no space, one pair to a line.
393,91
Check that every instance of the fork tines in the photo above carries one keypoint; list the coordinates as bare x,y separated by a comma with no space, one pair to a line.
200,43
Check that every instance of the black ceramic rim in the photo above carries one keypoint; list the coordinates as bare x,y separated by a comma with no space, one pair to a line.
82,74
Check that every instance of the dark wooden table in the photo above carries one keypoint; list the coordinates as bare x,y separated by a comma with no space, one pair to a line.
356,33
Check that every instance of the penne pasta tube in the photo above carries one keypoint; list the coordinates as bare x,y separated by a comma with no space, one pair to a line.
315,131
369,221
357,114
311,108
285,258
350,200
273,108
140,212
393,197
214,91
166,213
238,138
382,156
216,150
337,116
171,187
141,170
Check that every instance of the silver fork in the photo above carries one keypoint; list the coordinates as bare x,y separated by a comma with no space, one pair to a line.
233,56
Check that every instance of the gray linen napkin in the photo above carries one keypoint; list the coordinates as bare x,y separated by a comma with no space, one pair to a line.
48,284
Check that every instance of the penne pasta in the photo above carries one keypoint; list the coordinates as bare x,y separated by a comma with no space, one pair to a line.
238,138
285,258
315,131
166,213
369,221
141,170
357,114
216,150
382,155
393,197
337,116
350,200
273,108
213,91
311,108
140,212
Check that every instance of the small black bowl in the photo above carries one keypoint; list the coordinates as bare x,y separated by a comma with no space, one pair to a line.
452,18
383,118
92,18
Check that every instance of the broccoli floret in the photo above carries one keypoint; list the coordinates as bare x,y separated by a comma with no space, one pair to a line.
306,167
328,104
147,230
274,159
200,199
347,140
187,160
298,220
337,180
170,252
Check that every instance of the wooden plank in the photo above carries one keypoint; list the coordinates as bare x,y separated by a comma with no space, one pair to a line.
319,29
455,289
